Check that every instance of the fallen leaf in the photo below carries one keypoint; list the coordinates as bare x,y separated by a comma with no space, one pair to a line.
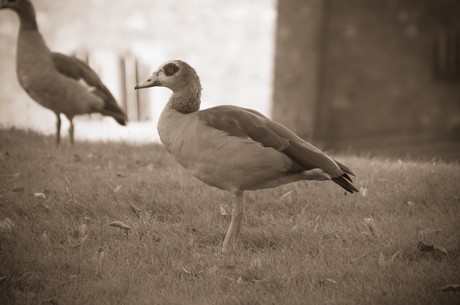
410,203
424,247
223,209
192,273
428,241
393,257
116,189
286,196
428,236
134,209
40,195
6,225
369,221
451,287
331,281
18,190
315,228
82,230
120,225
11,176
45,237
440,249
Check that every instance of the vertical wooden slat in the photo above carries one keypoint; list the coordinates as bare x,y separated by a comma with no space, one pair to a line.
124,95
447,55
457,54
138,97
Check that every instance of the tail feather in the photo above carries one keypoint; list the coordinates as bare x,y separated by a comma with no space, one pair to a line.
346,176
345,168
345,180
117,113
111,107
346,184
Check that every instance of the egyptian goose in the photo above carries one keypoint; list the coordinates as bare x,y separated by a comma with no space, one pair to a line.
58,82
233,148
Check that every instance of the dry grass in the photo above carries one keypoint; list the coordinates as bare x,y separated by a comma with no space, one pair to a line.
310,246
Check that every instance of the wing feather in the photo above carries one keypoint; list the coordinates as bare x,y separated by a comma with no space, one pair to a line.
247,123
74,68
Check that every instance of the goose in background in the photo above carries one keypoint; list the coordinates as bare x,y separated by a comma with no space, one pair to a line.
232,148
58,82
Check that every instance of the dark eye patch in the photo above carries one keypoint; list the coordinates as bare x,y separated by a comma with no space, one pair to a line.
170,69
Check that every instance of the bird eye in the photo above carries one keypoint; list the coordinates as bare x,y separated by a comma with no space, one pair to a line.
170,69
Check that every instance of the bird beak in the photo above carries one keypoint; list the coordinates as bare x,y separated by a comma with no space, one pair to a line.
152,81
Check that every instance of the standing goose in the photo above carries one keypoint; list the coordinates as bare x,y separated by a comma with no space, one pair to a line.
54,80
233,148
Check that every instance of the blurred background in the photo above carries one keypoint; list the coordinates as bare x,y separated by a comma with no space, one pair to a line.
379,76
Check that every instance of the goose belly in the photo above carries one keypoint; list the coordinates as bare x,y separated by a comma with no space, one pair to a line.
241,164
225,161
59,93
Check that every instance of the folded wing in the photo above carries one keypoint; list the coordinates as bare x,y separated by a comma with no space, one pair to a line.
247,123
74,68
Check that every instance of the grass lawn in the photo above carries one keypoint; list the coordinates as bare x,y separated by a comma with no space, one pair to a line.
302,243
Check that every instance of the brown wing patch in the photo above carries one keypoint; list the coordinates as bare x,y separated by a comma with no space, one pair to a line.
240,122
74,68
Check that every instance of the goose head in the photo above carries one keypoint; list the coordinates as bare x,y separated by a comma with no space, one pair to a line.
182,79
176,75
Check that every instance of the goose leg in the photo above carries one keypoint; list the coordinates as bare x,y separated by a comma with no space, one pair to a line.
71,129
235,224
58,129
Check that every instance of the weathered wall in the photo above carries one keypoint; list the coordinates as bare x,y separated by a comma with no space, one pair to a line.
376,73
378,70
296,64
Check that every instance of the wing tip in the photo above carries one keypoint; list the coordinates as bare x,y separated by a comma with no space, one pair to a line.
345,183
122,122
